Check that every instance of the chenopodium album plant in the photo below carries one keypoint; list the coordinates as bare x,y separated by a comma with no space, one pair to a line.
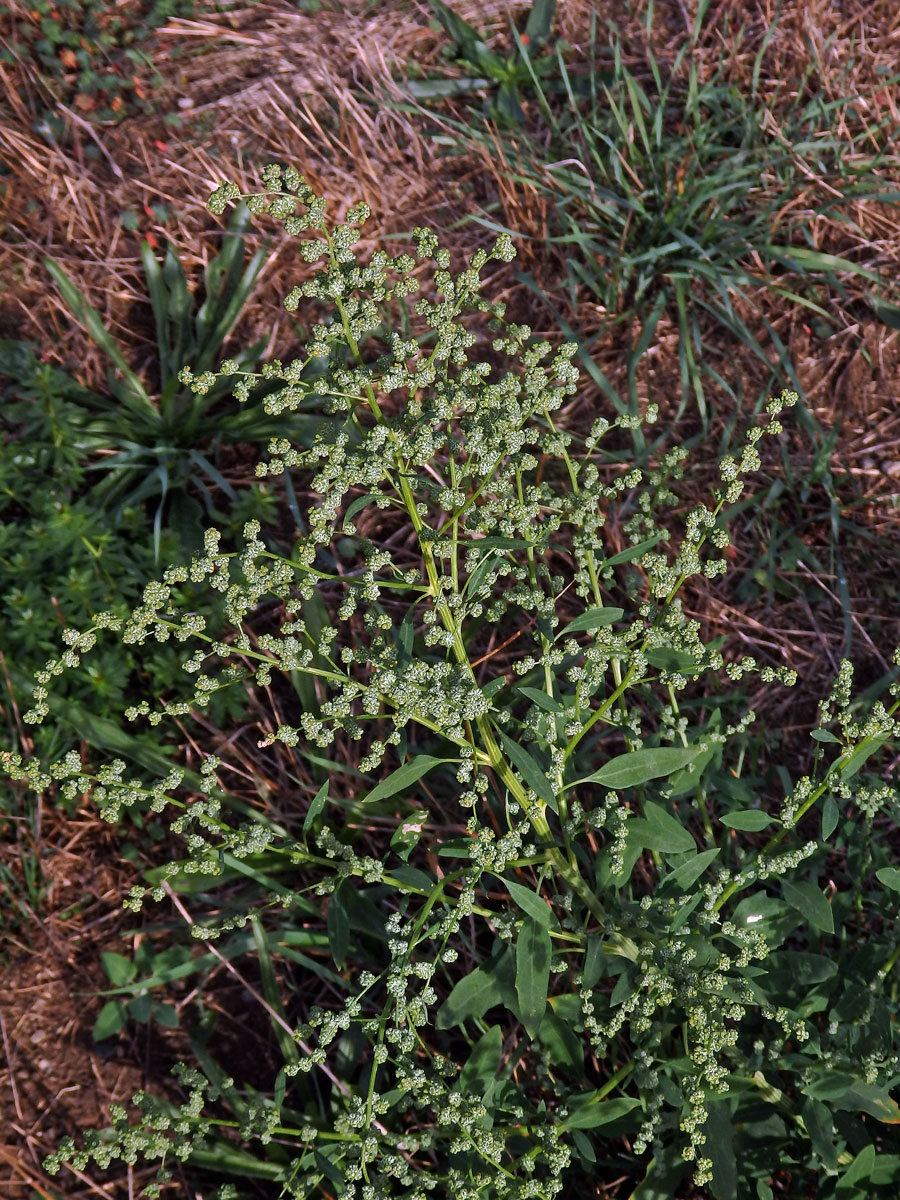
569,941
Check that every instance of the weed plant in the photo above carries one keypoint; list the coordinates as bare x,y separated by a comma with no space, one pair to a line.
665,194
523,923
61,560
59,557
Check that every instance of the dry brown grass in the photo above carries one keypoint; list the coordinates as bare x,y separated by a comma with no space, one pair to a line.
269,83
53,1080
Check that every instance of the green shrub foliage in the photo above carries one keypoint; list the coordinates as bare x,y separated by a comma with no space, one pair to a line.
514,930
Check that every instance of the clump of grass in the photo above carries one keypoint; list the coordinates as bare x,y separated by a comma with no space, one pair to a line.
160,445
563,937
660,193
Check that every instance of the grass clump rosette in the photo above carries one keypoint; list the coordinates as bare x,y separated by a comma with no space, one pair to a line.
563,937
662,190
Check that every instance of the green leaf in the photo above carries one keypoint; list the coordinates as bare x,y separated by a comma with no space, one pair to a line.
405,777
802,969
633,552
591,1113
660,831
758,909
338,925
471,997
119,969
159,302
565,1048
594,618
407,835
830,816
859,1169
456,848
720,1148
640,766
280,1089
687,873
533,954
136,398
226,288
541,699
413,877
496,542
823,735
890,877
751,820
685,911
532,904
225,1159
594,962
360,503
482,1065
667,658
528,769
432,89
584,1147
634,847
849,765
316,805
849,1094
478,576
507,104
820,1127
166,1015
664,1174
140,1007
464,36
684,781
808,900
540,19
111,1019
868,1098
886,1170
178,305
272,991
888,314
505,972
816,260
406,635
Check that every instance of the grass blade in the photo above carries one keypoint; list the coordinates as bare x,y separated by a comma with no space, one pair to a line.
159,300
86,315
272,993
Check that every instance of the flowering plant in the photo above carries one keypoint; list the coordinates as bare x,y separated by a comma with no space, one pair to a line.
562,933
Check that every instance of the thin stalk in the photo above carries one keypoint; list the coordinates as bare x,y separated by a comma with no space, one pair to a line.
537,819
804,808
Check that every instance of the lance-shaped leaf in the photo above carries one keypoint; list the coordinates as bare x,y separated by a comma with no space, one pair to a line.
404,777
640,766
528,769
594,618
533,954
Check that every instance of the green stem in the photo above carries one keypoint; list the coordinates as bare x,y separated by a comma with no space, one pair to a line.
598,713
538,821
804,808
